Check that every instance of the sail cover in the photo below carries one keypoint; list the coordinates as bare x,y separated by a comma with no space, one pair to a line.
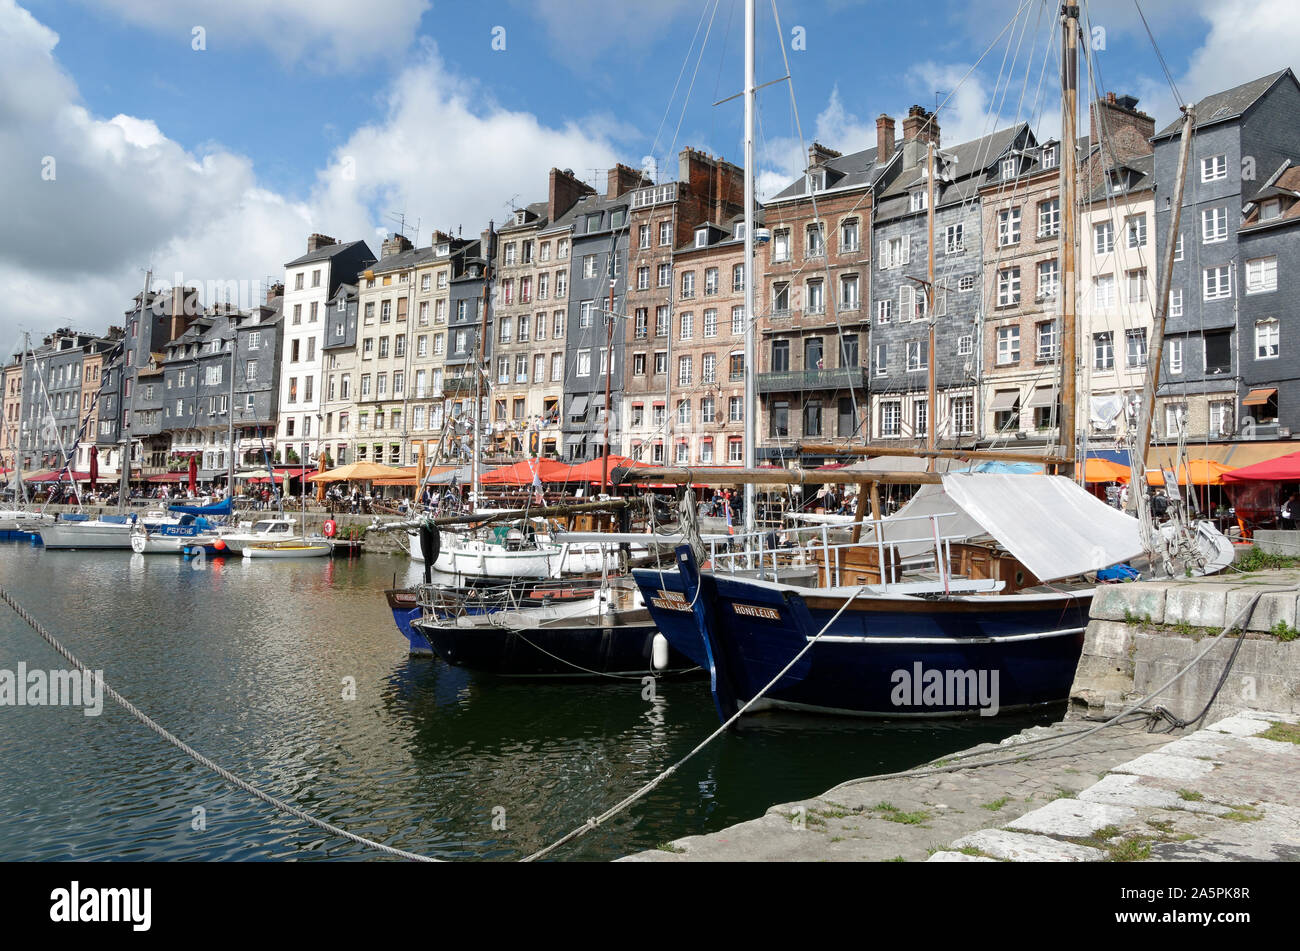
1054,527
221,508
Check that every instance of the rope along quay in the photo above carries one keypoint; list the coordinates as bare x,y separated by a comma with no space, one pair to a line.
198,757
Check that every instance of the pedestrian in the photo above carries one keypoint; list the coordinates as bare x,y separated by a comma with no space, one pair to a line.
1290,511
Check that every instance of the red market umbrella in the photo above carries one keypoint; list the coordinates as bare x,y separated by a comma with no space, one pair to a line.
521,473
94,467
1282,469
194,474
594,470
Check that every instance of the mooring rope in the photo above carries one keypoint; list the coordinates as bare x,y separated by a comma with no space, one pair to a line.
198,757
608,814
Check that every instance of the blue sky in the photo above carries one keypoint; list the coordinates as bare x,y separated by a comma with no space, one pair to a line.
329,115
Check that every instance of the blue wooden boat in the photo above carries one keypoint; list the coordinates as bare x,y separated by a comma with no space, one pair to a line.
917,644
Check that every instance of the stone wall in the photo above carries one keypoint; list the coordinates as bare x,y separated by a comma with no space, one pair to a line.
1141,634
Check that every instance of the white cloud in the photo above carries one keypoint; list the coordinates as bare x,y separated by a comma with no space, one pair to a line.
125,197
325,34
582,29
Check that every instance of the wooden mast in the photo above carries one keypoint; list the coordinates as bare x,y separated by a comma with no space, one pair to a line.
931,409
1069,180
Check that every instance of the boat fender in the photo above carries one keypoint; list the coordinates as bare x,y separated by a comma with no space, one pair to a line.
330,527
430,543
659,652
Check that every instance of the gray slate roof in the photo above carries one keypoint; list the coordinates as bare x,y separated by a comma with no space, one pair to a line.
323,254
1228,104
857,169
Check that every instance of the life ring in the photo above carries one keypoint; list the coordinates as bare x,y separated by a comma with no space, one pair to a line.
330,527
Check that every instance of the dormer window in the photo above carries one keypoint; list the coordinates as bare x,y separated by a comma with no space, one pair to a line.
740,231
519,217
701,237
817,180
1049,156
1270,209
444,250
1009,168
920,200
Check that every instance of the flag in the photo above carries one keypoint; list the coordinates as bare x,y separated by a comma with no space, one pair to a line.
726,508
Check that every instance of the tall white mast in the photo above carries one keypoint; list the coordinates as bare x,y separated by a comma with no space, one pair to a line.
751,331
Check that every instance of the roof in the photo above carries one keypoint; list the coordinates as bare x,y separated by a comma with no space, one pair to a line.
1286,186
325,253
1228,104
537,210
969,162
1144,177
403,260
855,170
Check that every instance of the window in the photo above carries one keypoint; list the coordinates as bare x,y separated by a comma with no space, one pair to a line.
1175,416
895,252
1048,342
849,299
1103,351
665,233
586,313
963,415
816,297
953,240
1137,286
665,275
1176,355
683,412
735,451
1008,345
815,239
849,235
1214,168
1261,275
891,419
661,321
882,359
1218,351
884,311
917,356
1135,226
643,236
1214,225
738,278
684,365
557,367
738,320
557,325
711,322
1008,286
1267,339
642,323
781,245
1270,209
710,282
1103,290
661,362
561,284
1103,234
687,325
736,409
1049,218
781,299
584,363
688,285
780,356
1008,227
1178,248
1217,282
1176,302
1049,279
966,283
588,266
1136,341
812,418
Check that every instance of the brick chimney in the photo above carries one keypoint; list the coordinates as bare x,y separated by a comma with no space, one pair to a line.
1126,131
317,241
395,244
884,137
564,192
622,180
819,154
274,292
921,125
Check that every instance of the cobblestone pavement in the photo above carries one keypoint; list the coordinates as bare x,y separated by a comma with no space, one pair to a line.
1227,792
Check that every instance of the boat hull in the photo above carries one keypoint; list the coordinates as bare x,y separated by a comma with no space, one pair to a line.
886,656
405,606
287,551
561,651
88,534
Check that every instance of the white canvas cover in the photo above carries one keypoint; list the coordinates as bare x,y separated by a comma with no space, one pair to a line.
1054,527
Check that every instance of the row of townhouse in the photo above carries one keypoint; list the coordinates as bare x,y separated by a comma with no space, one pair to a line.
622,311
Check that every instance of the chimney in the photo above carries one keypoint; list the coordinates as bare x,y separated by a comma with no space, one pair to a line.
1124,131
394,245
819,154
921,125
622,180
565,190
884,137
274,292
317,241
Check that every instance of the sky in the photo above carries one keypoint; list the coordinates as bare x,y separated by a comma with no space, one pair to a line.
203,141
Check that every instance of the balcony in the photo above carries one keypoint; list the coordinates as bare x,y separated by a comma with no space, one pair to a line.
456,385
842,378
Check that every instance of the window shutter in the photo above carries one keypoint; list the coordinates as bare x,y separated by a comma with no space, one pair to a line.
884,255
907,249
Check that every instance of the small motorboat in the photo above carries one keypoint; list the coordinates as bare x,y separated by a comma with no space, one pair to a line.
297,548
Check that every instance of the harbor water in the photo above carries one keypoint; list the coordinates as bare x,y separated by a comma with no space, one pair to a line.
292,675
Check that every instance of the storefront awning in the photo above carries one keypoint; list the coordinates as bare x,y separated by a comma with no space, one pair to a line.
1044,396
1259,397
578,407
1004,400
573,439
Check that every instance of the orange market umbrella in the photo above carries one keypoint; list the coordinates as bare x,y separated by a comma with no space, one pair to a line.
1201,472
1097,469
